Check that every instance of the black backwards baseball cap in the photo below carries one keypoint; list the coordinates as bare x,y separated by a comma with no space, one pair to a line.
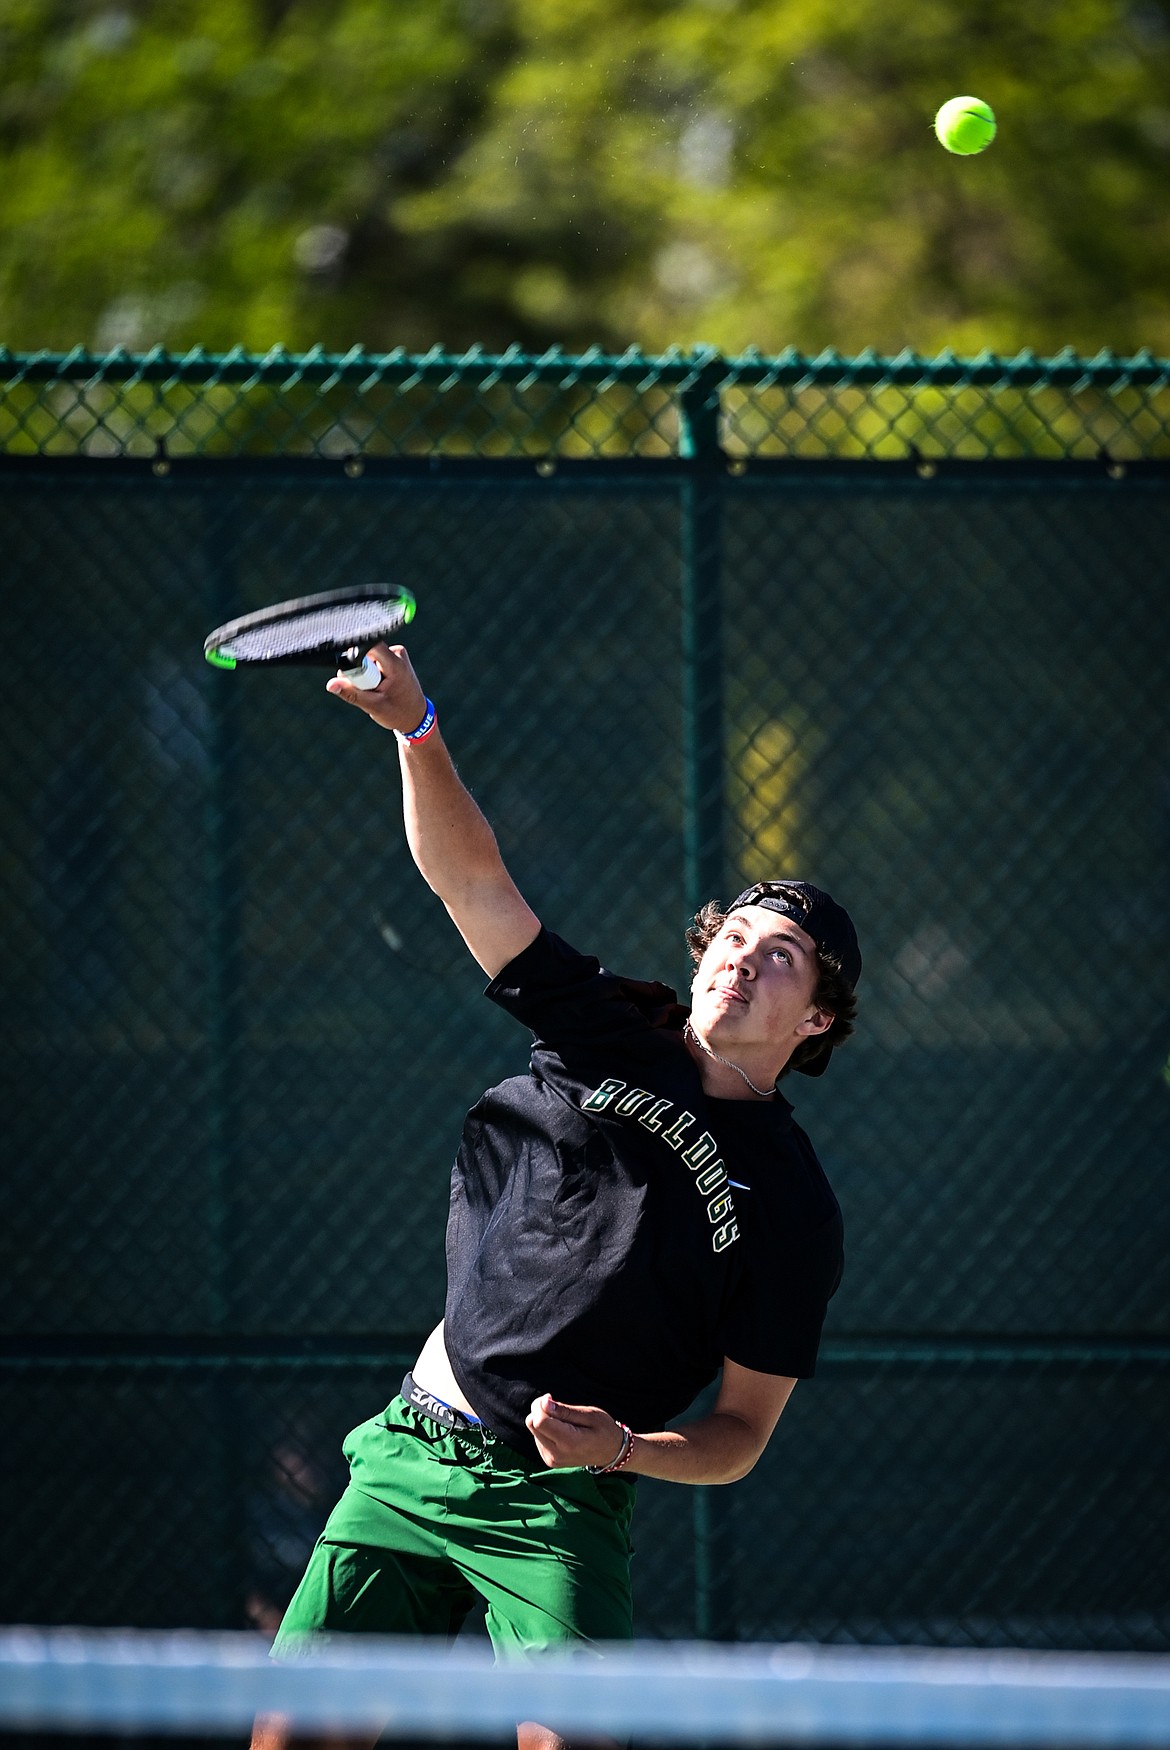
830,927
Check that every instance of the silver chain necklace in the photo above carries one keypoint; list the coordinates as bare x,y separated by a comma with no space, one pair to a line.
764,1093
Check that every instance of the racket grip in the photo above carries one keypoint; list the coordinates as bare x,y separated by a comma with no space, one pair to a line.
365,678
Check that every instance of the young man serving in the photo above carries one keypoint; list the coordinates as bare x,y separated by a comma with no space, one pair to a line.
633,1215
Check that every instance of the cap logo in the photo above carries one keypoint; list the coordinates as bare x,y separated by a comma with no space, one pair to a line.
784,906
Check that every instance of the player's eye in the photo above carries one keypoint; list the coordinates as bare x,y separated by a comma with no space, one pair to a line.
782,954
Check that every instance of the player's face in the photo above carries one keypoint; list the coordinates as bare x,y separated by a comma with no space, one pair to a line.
754,985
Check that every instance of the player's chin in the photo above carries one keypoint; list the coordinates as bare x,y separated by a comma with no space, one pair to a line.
721,1018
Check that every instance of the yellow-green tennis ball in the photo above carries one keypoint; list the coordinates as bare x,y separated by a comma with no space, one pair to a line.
965,125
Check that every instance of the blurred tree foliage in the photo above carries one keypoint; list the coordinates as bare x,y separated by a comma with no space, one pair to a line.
397,172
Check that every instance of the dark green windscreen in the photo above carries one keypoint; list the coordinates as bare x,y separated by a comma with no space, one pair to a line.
241,1034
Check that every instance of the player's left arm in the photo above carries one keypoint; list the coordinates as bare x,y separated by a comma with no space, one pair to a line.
717,1448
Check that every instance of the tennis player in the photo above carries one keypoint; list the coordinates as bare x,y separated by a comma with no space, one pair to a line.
636,1213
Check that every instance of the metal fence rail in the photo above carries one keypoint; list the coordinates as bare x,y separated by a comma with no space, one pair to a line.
356,405
894,624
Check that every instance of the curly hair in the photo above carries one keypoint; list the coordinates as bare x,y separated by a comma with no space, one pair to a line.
832,996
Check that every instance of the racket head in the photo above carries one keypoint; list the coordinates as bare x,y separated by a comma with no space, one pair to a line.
312,630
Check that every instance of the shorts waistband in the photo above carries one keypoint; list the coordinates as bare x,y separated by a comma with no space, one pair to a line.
427,1404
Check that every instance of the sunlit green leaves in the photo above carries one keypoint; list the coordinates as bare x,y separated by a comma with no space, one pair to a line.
734,171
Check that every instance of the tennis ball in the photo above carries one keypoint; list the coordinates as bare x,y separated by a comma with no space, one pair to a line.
965,125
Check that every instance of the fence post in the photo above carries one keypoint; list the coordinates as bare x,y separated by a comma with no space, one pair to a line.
702,683
223,951
222,947
698,444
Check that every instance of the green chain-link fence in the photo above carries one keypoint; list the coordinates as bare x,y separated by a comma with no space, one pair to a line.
896,625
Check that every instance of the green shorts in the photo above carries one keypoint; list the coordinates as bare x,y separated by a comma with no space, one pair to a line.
432,1519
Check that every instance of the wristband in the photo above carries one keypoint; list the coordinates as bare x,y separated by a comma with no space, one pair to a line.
623,1457
429,722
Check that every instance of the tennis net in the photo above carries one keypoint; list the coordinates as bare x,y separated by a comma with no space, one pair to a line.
200,1685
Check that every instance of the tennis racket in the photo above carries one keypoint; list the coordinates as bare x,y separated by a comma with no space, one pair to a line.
330,630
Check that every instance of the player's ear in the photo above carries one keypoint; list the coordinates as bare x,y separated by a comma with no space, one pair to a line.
817,1022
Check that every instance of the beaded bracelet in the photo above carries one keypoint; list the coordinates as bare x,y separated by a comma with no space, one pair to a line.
429,722
623,1457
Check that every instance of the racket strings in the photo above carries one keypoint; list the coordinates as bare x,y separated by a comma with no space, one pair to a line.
332,629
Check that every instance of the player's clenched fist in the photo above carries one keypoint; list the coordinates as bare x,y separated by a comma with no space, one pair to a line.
573,1434
398,702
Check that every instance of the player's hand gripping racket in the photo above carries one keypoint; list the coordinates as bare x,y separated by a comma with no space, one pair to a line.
330,630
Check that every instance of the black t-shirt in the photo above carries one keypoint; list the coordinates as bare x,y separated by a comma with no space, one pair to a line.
614,1233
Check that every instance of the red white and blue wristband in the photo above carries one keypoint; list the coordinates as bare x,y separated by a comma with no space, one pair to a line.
429,723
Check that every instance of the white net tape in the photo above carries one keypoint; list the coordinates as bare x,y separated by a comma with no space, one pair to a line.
205,1684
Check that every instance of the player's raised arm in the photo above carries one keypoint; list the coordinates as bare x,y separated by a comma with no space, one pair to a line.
449,839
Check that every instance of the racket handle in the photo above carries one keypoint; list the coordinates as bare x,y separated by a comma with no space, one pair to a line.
365,678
